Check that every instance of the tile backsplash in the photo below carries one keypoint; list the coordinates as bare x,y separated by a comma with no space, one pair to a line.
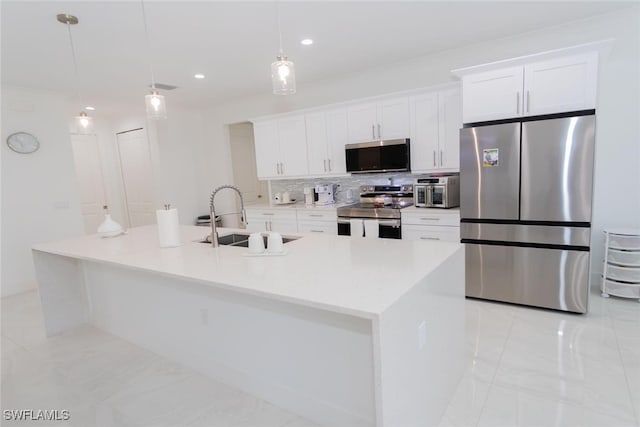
347,185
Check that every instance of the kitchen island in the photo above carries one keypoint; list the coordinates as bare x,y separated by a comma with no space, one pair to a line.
343,331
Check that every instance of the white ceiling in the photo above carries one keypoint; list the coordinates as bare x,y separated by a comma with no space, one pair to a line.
234,42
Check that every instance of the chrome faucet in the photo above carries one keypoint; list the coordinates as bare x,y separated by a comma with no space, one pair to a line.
243,216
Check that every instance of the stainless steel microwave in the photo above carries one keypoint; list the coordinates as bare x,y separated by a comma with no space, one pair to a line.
378,156
437,192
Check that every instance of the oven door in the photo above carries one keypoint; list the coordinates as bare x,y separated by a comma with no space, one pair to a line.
387,228
437,196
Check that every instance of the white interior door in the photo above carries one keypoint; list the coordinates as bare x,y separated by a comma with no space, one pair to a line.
86,156
137,177
243,158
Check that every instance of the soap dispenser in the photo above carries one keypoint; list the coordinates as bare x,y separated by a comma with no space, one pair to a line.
109,227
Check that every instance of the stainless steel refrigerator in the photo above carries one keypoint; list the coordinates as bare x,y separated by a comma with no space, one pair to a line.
525,208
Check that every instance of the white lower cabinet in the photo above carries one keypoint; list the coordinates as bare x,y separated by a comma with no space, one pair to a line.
317,221
280,220
430,224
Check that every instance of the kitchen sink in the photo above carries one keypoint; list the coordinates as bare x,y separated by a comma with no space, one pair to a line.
242,240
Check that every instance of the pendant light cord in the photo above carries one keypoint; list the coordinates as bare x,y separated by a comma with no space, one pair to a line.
75,63
279,27
146,33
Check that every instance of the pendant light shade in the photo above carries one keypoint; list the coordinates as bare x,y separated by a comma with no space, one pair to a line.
283,72
156,107
84,124
283,76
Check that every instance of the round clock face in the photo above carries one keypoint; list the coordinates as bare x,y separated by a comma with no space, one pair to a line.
22,142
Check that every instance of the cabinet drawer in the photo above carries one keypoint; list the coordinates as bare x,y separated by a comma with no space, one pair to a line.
618,241
273,214
429,218
624,258
622,289
425,232
318,227
624,274
314,215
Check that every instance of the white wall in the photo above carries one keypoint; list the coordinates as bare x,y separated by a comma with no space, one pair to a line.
617,170
39,193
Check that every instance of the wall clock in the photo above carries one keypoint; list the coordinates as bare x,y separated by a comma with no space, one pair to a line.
23,142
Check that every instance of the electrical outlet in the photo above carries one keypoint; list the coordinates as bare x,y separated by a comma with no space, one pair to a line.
204,316
422,334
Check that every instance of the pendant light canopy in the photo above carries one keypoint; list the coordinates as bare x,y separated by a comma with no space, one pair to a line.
283,72
83,123
156,105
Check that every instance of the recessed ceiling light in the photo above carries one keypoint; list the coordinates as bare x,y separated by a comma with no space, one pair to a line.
90,108
199,76
306,42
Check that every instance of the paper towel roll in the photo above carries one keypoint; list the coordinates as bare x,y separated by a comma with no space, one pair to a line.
168,228
357,229
371,228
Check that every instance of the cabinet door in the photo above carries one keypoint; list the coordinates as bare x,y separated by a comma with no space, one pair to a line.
317,143
336,121
267,153
393,118
283,225
492,95
424,132
561,85
449,124
362,119
293,146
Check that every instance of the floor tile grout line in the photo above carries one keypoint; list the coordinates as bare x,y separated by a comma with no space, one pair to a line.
626,372
493,377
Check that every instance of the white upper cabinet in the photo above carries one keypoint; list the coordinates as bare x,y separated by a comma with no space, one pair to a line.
326,138
564,84
281,147
557,85
492,95
436,119
384,119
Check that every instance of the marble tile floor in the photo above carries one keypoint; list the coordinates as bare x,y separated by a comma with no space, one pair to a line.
524,367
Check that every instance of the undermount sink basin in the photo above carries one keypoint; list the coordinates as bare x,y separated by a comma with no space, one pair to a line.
242,240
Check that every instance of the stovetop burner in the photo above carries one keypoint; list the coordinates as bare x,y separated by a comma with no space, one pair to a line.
379,202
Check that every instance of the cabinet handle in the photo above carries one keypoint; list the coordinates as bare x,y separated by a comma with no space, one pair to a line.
373,131
379,134
325,164
429,238
317,215
528,97
267,214
277,168
329,161
517,102
317,231
434,157
440,157
427,219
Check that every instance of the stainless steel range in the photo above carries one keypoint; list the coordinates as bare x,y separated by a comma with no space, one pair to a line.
381,203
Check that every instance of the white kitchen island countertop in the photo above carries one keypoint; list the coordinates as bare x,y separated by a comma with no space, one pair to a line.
360,277
343,331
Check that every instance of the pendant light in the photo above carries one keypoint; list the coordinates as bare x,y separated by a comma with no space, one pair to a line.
156,105
83,123
283,73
